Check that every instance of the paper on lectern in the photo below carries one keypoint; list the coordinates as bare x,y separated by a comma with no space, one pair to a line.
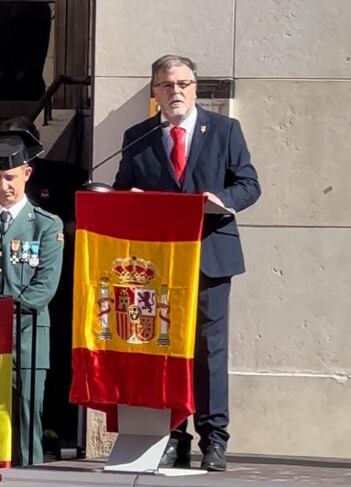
212,208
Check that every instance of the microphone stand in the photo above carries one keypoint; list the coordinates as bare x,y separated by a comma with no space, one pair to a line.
104,187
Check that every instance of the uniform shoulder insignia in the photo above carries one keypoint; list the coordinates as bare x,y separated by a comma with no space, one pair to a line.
45,213
60,237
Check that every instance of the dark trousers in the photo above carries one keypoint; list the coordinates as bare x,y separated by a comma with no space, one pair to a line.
210,365
20,419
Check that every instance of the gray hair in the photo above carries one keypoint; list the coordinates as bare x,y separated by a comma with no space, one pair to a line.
169,61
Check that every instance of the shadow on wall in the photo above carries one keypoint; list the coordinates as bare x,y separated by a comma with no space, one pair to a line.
108,134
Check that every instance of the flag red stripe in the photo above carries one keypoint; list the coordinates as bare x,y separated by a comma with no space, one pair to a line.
166,217
104,378
6,327
4,464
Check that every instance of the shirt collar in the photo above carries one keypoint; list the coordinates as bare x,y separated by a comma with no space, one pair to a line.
16,208
188,124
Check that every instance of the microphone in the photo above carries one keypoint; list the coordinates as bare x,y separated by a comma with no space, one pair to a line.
103,187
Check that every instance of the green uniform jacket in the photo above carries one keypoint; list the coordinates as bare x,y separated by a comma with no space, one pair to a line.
34,285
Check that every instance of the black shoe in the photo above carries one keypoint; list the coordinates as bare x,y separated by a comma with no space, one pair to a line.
176,454
214,458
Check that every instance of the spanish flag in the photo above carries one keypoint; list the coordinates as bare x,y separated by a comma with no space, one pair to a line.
136,272
6,313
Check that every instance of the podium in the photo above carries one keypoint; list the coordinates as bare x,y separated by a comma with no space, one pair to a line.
6,332
143,434
10,312
136,273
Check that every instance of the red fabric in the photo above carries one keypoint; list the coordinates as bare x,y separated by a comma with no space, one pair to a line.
104,378
5,465
6,319
166,217
178,151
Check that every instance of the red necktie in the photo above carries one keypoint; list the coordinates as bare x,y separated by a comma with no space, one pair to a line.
178,151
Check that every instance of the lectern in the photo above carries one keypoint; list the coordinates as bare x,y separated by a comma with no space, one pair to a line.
136,272
6,333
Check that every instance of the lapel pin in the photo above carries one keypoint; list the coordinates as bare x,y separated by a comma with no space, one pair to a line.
203,129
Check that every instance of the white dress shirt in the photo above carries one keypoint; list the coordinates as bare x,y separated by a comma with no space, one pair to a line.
16,208
188,124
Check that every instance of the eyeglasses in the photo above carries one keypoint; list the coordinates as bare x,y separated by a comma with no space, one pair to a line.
170,85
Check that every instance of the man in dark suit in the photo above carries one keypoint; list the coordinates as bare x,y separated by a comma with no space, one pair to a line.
199,152
31,245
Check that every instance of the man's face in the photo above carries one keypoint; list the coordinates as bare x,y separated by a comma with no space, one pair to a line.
12,184
176,100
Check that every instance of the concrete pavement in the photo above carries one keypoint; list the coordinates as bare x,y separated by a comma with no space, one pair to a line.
243,471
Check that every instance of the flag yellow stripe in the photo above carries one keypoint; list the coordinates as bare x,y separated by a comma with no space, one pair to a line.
5,407
93,260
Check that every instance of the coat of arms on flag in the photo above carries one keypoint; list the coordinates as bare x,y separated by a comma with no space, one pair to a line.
136,303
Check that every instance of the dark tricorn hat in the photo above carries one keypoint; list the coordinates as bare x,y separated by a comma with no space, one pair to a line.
17,147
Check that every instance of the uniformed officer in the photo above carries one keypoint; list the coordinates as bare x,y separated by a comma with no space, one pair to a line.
31,245
52,186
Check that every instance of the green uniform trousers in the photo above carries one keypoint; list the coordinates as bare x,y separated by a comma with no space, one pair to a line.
20,419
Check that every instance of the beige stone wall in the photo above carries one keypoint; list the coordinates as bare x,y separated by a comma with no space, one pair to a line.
290,313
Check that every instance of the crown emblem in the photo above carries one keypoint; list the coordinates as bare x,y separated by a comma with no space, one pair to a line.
132,270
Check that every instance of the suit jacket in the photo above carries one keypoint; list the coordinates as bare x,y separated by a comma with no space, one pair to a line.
33,285
218,162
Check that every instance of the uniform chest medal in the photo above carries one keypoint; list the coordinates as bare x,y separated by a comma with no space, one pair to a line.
34,254
15,251
25,252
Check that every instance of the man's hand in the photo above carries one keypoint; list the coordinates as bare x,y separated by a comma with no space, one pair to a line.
212,197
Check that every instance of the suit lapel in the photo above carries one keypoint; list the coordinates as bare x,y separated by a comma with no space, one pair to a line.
200,134
20,224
